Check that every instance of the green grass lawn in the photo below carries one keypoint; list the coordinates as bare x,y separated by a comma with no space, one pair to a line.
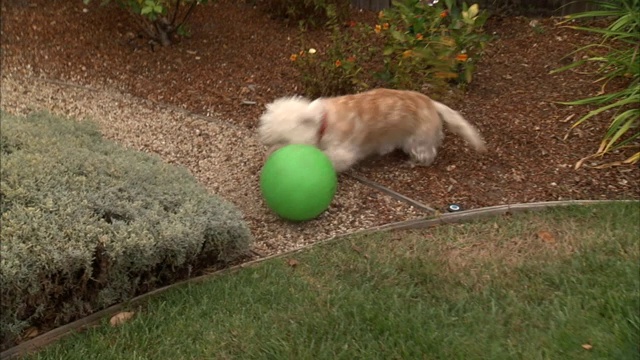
530,286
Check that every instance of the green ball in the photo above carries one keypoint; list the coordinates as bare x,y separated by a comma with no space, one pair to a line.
298,182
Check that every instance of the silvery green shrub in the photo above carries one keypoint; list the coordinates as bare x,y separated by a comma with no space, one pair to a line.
87,223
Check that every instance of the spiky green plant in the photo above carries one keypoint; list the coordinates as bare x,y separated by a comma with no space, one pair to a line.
620,42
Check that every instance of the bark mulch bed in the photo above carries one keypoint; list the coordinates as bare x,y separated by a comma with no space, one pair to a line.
237,52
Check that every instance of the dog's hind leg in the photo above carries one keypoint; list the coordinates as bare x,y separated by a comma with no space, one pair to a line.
386,149
422,155
421,151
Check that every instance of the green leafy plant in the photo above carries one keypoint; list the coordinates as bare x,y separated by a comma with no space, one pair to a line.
414,45
428,42
339,68
620,44
160,20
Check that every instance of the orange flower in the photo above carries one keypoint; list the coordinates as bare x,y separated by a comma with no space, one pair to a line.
378,29
293,57
385,26
338,63
462,57
407,53
351,58
444,14
419,36
352,23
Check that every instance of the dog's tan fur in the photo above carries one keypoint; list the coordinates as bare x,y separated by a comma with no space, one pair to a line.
359,125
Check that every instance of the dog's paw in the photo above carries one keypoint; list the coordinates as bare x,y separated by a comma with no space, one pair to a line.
409,164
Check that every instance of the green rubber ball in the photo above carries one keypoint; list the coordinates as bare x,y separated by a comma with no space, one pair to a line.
298,182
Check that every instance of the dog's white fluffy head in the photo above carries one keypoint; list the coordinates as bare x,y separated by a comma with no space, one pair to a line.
290,120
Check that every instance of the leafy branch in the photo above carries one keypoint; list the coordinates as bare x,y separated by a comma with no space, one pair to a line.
159,20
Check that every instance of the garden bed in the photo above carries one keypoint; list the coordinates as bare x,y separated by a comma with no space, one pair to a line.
238,53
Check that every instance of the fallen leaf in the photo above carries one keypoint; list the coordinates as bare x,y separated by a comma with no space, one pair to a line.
547,237
292,262
580,162
357,249
587,346
568,118
121,318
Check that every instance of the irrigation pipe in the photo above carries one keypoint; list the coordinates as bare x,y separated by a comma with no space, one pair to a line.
393,194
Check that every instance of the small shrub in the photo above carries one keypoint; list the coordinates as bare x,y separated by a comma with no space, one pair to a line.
621,44
86,223
337,69
415,45
427,42
159,20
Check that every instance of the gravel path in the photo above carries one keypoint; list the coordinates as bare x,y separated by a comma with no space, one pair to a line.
225,158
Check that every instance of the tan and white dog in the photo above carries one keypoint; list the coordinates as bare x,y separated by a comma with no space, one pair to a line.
351,127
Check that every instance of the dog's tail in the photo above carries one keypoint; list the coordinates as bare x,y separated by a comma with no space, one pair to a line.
460,126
